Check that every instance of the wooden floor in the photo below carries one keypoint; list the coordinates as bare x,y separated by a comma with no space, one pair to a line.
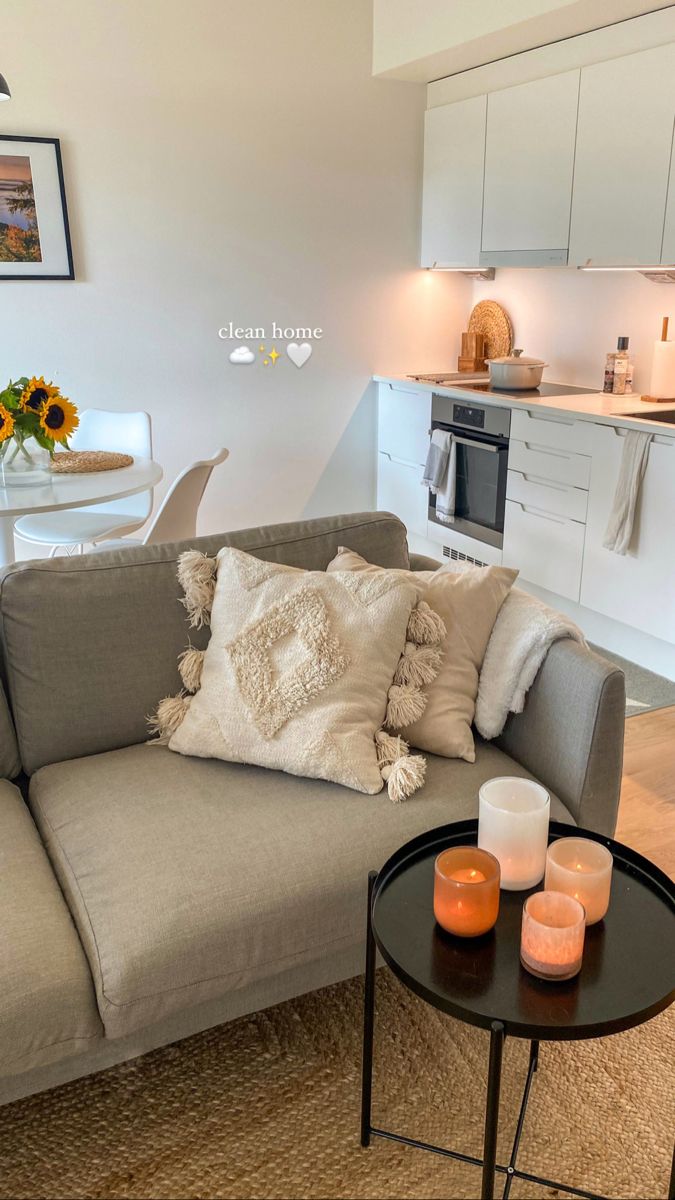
647,810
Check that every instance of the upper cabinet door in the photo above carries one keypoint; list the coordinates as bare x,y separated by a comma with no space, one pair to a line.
668,248
624,139
529,164
454,155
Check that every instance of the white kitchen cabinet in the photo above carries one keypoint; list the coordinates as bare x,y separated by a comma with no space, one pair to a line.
403,422
668,247
624,140
558,499
454,156
542,462
638,588
399,490
529,164
538,427
546,548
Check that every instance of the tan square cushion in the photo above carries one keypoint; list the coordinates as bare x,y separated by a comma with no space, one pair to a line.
190,878
468,602
297,671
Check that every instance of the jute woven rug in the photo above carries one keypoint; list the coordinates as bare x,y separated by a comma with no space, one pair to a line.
268,1107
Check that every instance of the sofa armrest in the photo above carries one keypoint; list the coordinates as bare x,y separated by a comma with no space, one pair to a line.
420,562
570,734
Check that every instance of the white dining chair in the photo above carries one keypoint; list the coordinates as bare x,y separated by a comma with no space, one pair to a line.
176,518
125,432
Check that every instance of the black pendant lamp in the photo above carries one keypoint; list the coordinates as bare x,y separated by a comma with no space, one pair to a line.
5,93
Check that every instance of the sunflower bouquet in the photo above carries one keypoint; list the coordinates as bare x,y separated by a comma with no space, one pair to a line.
31,408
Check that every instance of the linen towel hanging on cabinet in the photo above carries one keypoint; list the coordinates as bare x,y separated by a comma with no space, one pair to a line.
631,473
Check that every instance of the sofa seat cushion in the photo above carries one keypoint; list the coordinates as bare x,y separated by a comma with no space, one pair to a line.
192,877
47,1001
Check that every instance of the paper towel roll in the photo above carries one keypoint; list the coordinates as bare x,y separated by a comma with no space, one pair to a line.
662,385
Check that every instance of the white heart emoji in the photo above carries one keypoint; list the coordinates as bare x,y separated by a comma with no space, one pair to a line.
299,354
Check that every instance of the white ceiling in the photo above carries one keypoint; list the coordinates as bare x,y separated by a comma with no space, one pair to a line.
430,40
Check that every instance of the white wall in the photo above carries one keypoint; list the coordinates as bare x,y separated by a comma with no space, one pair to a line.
573,318
228,161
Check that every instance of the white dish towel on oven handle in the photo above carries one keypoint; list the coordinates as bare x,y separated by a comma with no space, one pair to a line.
440,474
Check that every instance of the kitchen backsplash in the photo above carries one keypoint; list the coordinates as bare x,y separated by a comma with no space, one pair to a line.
572,319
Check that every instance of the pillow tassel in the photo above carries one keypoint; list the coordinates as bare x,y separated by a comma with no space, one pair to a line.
404,777
190,665
418,665
170,713
389,748
425,627
197,577
405,705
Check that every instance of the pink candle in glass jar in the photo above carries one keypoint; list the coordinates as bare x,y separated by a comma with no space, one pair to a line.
552,935
581,868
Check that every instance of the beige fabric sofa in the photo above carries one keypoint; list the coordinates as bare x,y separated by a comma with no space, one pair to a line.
146,896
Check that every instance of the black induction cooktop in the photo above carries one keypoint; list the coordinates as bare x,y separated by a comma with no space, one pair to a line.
544,389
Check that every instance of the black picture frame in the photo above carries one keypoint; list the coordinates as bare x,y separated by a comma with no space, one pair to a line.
58,163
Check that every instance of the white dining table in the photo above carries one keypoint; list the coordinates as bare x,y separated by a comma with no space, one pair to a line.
60,491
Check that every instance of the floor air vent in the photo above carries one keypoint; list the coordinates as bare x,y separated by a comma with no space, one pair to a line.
457,556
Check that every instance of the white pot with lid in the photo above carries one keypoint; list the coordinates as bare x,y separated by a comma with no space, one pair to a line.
516,372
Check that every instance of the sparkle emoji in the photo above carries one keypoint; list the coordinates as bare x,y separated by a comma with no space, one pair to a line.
271,356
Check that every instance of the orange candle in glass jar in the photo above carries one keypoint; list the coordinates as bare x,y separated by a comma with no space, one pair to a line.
466,890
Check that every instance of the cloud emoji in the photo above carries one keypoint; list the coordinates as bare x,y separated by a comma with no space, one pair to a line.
242,355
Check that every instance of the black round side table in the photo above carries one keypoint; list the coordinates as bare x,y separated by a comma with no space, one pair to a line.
627,975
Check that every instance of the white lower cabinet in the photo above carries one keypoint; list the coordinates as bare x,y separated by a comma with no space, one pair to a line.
399,490
561,466
403,420
546,548
558,499
638,588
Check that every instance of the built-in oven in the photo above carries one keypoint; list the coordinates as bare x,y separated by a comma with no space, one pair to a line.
481,435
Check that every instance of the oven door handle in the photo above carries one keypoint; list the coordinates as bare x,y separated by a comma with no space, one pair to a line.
475,445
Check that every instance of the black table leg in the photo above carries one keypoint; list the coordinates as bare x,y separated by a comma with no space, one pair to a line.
492,1111
671,1186
368,1019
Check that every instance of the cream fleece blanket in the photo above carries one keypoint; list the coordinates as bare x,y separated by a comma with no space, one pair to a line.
521,638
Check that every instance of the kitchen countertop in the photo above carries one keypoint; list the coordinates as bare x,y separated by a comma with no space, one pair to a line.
600,407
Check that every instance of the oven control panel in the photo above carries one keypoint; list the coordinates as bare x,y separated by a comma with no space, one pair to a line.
473,418
455,413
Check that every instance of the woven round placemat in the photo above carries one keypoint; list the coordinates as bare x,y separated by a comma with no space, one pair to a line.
490,319
73,462
267,1108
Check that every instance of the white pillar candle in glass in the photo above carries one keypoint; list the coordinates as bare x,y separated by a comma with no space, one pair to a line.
552,935
581,868
513,825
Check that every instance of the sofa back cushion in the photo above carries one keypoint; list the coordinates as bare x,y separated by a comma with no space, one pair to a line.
10,763
91,643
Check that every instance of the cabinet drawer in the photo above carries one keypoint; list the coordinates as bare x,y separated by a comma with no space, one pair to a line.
547,550
554,466
554,432
558,499
399,490
403,423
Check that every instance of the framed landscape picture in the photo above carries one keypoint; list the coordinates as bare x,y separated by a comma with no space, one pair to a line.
34,234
